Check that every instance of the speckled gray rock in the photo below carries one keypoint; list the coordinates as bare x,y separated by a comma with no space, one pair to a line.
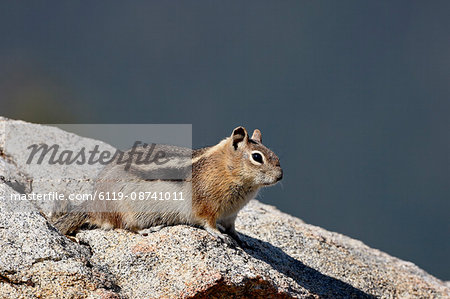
36,261
42,178
286,257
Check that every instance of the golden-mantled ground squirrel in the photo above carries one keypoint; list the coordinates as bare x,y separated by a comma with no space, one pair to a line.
224,178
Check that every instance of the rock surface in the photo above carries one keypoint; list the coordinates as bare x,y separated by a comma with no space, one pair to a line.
286,257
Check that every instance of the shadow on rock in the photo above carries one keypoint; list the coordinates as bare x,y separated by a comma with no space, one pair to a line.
317,283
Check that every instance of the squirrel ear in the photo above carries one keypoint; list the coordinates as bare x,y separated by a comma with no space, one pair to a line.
257,135
239,134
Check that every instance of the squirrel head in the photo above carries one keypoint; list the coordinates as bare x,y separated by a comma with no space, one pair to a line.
259,165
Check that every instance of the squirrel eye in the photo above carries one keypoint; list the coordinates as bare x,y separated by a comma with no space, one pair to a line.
257,157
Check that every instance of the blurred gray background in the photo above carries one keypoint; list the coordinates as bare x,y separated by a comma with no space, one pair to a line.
354,96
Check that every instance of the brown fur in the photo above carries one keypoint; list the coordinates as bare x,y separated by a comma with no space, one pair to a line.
224,178
222,189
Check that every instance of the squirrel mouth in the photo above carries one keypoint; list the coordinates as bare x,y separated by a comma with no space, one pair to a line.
280,176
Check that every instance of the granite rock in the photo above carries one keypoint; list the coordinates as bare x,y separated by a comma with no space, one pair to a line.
285,257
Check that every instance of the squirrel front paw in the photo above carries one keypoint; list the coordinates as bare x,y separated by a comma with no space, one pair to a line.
222,237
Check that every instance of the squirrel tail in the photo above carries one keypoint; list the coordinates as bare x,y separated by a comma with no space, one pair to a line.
71,221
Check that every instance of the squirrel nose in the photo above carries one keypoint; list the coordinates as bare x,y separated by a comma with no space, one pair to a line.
280,176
